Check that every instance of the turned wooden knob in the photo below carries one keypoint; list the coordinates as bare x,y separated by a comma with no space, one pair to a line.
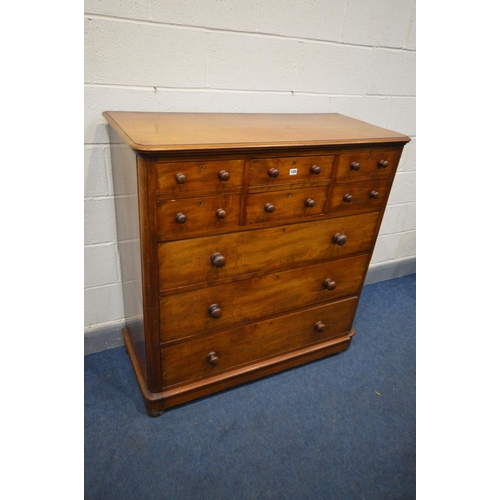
181,178
269,208
348,198
221,213
213,358
340,239
383,163
218,260
180,218
215,311
310,202
274,172
329,284
223,175
320,326
374,195
315,170
355,165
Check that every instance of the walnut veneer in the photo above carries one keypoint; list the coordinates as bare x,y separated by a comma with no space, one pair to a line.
244,241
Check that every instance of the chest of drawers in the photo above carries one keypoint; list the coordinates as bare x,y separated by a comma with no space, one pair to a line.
244,241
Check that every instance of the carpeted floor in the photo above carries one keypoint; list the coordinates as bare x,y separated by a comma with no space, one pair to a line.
339,428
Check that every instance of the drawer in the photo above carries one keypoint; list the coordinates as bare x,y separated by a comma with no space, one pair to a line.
188,215
305,169
359,196
224,306
180,178
212,258
208,355
366,165
276,205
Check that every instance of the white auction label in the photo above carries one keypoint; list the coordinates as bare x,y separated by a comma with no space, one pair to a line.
293,171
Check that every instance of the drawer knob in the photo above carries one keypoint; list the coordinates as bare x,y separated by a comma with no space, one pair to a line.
269,208
355,165
181,178
348,198
218,260
310,203
315,170
374,195
215,311
212,358
180,218
274,172
221,213
223,175
383,163
329,284
340,239
320,326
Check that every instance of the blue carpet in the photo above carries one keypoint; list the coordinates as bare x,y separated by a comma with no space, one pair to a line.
338,428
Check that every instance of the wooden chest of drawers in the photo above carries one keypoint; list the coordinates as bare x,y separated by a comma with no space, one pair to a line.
244,241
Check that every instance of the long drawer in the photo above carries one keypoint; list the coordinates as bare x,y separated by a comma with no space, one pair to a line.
217,352
223,306
212,258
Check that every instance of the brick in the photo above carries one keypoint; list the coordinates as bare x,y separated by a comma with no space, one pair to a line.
391,72
318,20
403,189
374,110
96,172
100,265
251,62
328,68
238,15
411,42
99,221
103,304
408,162
403,115
99,99
129,53
88,69
399,218
130,9
394,246
383,23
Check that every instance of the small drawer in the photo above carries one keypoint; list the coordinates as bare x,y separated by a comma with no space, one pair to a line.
366,165
297,169
210,354
359,196
224,306
189,215
217,176
277,205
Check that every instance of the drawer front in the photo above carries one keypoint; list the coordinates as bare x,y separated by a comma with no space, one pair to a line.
187,215
211,258
366,165
271,171
359,196
276,205
181,178
214,353
224,306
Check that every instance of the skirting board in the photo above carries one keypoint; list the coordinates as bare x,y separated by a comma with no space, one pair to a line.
109,337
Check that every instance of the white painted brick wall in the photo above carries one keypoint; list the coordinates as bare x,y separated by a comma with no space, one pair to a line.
348,56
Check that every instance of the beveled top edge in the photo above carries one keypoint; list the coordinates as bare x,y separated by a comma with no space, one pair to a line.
150,132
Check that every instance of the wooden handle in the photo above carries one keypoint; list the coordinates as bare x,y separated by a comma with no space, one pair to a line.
355,165
320,326
180,218
383,163
315,170
213,358
181,178
215,311
221,213
223,175
348,198
329,284
274,172
374,195
310,203
269,208
340,239
218,260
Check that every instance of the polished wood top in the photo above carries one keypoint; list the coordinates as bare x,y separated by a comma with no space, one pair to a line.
156,132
